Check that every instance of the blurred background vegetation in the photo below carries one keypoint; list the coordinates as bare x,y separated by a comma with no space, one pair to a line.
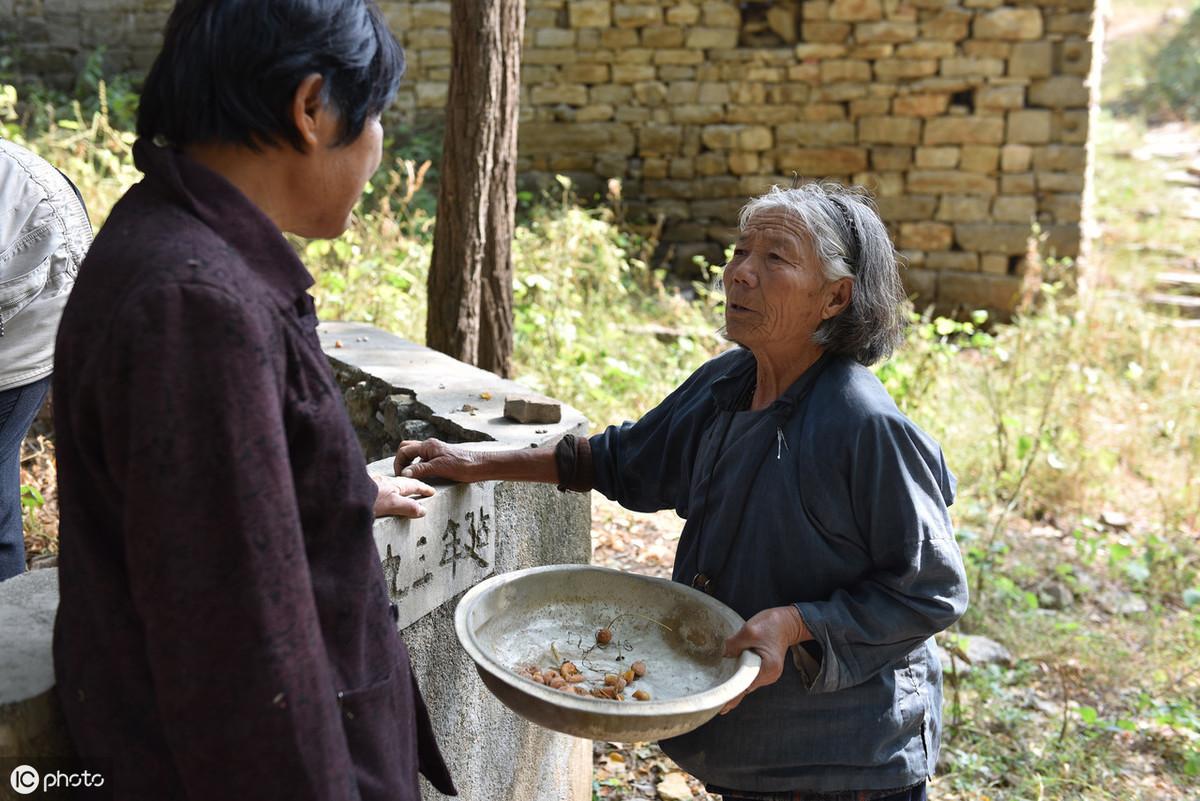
1074,430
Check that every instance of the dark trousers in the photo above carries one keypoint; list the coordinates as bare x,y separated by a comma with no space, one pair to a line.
911,794
18,407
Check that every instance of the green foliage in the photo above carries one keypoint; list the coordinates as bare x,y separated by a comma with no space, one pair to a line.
31,498
1153,71
595,325
1174,88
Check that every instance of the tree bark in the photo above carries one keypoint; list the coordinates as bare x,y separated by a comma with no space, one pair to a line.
469,315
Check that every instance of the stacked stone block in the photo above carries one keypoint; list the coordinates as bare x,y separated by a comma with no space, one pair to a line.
52,39
968,119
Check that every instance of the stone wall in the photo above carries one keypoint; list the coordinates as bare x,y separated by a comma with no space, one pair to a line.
968,119
52,39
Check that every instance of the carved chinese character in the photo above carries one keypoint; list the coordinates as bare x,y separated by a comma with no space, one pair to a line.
391,570
451,547
478,536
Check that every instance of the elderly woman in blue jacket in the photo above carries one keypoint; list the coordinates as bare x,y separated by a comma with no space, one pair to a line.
813,507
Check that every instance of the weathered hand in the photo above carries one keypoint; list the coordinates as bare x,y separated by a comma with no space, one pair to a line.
769,634
438,460
395,496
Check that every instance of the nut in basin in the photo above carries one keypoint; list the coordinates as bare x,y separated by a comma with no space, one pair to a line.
533,622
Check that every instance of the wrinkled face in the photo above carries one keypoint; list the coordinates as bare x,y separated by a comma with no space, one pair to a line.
776,294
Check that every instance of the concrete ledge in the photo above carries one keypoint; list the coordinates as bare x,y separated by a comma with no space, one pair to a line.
30,718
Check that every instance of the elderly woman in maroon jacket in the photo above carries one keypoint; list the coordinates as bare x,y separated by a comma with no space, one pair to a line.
224,630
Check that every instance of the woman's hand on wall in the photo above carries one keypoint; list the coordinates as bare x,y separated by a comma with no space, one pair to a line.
769,634
396,496
437,460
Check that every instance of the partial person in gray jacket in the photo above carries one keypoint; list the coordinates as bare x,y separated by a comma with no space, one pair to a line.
814,508
44,235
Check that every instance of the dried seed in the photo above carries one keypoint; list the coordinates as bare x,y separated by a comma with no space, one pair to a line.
638,668
642,695
604,636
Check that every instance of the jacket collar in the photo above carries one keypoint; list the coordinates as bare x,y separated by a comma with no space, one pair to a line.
729,389
233,216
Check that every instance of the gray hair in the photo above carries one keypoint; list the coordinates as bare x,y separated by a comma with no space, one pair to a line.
851,242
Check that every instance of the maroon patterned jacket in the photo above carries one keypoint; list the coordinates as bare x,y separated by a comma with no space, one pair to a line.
224,629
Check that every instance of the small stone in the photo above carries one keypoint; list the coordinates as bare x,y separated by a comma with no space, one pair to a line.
417,429
937,182
1064,91
1116,602
1113,519
855,10
1008,238
531,409
590,13
722,15
712,38
985,651
637,16
782,20
1015,158
963,262
926,236
890,130
937,158
888,32
1010,24
683,14
921,105
1029,127
819,161
965,131
1055,595
1014,208
1031,60
674,787
951,25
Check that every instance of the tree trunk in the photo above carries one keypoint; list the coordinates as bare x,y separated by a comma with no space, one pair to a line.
470,280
